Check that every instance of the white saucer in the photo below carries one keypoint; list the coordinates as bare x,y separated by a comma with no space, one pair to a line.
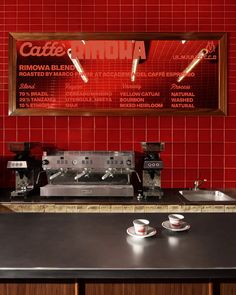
151,232
185,226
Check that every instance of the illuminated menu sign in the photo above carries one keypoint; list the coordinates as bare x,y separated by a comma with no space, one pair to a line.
118,77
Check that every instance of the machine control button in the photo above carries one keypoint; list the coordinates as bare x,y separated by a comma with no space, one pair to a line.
74,162
128,162
153,164
16,164
45,162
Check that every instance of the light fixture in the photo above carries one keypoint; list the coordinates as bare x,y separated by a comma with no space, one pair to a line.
134,66
78,66
193,63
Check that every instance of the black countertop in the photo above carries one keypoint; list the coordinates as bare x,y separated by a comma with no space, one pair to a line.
97,246
171,196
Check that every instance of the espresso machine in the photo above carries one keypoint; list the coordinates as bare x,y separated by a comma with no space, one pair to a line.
25,166
88,173
152,167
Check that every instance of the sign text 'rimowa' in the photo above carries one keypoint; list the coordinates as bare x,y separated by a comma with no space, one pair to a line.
92,49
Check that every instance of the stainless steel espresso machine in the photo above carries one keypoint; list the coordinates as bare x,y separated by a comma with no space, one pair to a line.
88,173
152,166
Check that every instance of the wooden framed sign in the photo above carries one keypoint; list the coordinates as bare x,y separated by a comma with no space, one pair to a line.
117,74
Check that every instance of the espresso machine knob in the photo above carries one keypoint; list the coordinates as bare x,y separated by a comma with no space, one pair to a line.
45,162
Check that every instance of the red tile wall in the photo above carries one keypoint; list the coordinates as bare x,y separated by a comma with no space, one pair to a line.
195,146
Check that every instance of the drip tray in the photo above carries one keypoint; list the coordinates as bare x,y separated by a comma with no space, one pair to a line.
112,190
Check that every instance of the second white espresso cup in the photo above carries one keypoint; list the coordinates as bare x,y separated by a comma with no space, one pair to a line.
141,226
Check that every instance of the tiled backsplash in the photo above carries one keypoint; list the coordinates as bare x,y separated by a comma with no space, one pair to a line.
195,146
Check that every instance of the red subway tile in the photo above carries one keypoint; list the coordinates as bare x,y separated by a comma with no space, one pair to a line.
192,135
125,146
204,122
74,135
10,122
204,161
113,146
87,135
205,148
166,135
179,148
36,135
178,161
179,135
87,146
179,122
49,136
22,135
113,135
218,149
113,122
62,135
178,175
127,135
230,161
191,161
140,122
100,136
23,122
230,174
204,135
87,122
217,135
153,135
74,146
100,122
35,122
230,148
140,135
217,162
49,122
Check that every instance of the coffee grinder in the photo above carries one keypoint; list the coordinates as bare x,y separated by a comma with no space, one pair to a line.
25,167
152,166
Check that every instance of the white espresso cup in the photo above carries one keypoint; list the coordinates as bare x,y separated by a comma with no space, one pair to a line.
141,226
176,220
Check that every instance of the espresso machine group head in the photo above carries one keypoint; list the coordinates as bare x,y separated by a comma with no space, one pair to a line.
152,167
